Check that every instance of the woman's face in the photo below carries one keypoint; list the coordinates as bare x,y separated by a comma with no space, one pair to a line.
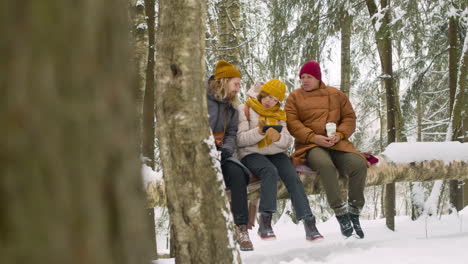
269,101
234,85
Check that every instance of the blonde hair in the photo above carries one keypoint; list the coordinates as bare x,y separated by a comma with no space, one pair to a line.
219,89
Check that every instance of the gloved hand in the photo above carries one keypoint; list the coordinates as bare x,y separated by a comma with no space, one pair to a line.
225,154
273,134
261,124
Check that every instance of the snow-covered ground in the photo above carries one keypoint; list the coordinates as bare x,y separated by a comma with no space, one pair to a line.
446,241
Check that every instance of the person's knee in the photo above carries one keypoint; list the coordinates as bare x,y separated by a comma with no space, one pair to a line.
269,173
318,159
234,176
357,164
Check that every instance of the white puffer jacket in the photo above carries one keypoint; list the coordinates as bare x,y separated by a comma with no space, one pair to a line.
248,135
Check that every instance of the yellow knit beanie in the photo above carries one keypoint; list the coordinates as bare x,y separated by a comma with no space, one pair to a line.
276,88
224,69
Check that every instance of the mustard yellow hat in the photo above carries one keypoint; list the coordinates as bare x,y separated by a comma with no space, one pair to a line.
225,69
276,88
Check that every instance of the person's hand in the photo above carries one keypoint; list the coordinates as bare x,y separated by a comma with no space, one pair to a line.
261,124
335,138
324,141
273,134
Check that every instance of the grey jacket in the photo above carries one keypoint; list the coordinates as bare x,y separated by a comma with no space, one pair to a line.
223,115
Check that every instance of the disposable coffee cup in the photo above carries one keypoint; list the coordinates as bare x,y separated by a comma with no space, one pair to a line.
331,129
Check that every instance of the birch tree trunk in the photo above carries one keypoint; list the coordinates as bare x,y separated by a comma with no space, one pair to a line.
228,31
194,186
384,46
70,182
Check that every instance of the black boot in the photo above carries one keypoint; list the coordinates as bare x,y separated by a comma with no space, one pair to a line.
357,226
312,233
265,231
345,225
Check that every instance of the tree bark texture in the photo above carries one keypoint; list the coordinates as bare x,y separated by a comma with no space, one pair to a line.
228,31
194,186
456,188
148,141
139,29
453,60
384,173
384,46
346,26
70,181
459,112
465,192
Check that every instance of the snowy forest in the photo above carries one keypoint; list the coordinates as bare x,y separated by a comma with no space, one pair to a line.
107,154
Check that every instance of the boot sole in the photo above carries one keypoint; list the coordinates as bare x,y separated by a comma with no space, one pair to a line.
313,240
268,238
246,249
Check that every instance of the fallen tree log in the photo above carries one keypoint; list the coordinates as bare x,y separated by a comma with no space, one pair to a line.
383,173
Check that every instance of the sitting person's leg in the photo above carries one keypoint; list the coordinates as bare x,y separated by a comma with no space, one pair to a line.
261,167
293,184
300,203
320,160
236,180
355,168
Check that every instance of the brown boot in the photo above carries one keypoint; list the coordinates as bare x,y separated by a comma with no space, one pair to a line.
242,236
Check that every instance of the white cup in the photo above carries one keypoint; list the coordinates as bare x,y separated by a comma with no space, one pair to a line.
331,129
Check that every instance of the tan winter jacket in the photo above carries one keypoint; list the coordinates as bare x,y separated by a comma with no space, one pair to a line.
248,136
308,112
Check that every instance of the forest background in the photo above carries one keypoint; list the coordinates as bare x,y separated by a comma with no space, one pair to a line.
72,131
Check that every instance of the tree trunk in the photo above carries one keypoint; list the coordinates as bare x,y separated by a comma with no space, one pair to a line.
70,181
139,29
389,204
453,60
346,26
384,173
465,192
193,181
456,190
148,142
148,103
384,46
229,30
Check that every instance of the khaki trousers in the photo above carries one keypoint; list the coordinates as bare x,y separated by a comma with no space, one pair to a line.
329,164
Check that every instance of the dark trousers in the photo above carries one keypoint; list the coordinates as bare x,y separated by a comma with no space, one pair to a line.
328,163
271,167
236,180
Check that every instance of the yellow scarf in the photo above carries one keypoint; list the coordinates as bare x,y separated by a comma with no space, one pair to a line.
271,115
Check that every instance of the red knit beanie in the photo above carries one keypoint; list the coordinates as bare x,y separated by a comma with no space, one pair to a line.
313,68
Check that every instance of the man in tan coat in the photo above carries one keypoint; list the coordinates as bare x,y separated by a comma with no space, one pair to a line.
308,110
